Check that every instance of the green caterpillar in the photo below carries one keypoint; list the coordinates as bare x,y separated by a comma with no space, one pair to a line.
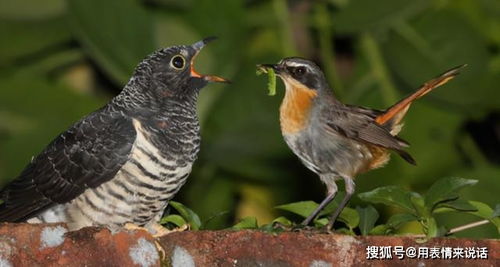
271,80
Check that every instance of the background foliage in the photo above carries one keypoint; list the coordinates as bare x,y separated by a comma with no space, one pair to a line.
60,60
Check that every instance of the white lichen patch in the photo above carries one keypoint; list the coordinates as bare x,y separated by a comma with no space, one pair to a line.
182,258
5,263
5,249
320,263
52,236
144,253
345,249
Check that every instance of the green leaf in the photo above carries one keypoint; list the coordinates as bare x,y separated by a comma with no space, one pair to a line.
442,230
320,222
445,189
397,220
389,195
430,227
496,212
273,226
457,205
344,231
350,217
380,229
419,205
302,208
367,218
117,42
217,216
246,223
283,221
188,215
173,218
484,211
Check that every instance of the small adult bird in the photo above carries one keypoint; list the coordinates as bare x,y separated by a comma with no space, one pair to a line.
122,163
335,140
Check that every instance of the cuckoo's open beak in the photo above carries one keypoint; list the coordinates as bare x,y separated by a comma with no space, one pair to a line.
197,47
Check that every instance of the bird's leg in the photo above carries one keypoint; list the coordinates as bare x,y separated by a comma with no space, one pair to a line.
349,191
332,191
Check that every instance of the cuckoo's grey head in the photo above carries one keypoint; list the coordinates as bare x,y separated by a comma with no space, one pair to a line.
299,71
170,71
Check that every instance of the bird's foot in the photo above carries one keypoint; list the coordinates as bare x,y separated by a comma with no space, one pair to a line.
302,228
327,229
162,231
132,226
159,231
281,226
292,228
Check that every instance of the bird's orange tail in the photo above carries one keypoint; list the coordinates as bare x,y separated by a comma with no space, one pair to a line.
395,113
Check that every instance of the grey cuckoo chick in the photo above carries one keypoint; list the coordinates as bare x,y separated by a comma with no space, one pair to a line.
122,163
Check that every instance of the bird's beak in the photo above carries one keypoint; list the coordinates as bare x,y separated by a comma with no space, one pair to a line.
265,67
197,47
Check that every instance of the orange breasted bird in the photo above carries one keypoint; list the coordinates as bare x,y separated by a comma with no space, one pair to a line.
335,140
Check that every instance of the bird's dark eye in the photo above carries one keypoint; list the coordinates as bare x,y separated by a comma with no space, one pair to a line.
299,71
178,62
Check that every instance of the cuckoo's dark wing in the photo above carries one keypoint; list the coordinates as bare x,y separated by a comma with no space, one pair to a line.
88,154
359,124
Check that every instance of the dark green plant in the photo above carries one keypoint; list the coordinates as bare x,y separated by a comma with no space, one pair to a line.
185,216
442,197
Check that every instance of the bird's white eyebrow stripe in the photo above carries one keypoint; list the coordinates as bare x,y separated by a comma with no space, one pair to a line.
296,64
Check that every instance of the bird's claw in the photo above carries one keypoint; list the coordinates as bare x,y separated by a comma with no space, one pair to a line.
281,226
326,229
162,231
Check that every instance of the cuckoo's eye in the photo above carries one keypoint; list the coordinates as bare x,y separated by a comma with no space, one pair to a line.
178,62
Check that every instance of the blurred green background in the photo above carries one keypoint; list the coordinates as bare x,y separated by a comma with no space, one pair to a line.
60,60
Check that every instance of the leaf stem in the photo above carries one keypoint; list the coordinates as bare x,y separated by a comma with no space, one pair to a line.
459,228
467,226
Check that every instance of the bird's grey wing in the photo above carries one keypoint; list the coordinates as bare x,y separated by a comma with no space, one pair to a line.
359,124
88,154
372,113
